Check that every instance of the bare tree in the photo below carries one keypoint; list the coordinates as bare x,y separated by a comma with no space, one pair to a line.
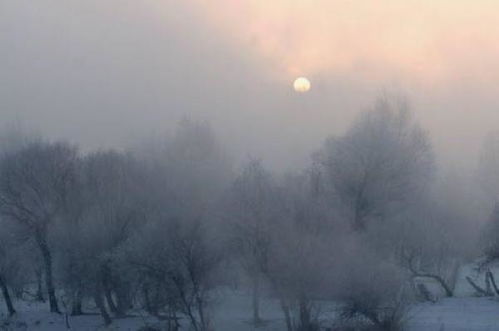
413,260
194,262
7,268
35,182
111,185
252,209
174,254
180,261
150,254
301,255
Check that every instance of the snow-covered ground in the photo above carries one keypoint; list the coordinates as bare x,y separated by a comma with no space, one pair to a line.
35,316
232,313
456,314
449,314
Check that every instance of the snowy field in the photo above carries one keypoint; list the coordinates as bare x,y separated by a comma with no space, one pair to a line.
456,314
233,313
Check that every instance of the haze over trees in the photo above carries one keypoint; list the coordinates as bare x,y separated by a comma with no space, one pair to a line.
163,226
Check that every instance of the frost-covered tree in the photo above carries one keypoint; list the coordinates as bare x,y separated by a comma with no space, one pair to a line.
35,184
252,211
113,213
176,253
300,254
379,164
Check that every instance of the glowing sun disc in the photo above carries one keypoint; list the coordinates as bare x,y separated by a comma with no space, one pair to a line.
301,85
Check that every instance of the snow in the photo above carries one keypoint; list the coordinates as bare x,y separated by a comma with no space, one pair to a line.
232,311
456,314
449,314
35,316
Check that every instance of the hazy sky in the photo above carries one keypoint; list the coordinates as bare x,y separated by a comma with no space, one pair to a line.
103,72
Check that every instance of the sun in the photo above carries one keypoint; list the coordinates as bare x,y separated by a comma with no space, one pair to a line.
301,85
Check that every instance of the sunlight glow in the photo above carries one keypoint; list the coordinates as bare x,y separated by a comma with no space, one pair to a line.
425,41
301,85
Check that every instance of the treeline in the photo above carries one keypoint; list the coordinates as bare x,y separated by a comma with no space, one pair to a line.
158,226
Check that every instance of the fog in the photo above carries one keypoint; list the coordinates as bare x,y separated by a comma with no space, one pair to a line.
155,161
102,72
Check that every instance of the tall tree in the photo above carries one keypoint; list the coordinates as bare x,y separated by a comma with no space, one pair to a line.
6,266
111,186
253,205
35,184
300,254
378,164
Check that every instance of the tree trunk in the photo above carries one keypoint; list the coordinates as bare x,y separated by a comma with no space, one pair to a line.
425,293
47,261
39,287
106,282
304,315
147,301
76,308
204,323
287,315
256,299
489,275
122,299
99,302
6,297
440,280
110,301
477,288
173,323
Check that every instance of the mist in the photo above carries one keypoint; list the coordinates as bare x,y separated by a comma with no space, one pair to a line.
99,73
159,172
